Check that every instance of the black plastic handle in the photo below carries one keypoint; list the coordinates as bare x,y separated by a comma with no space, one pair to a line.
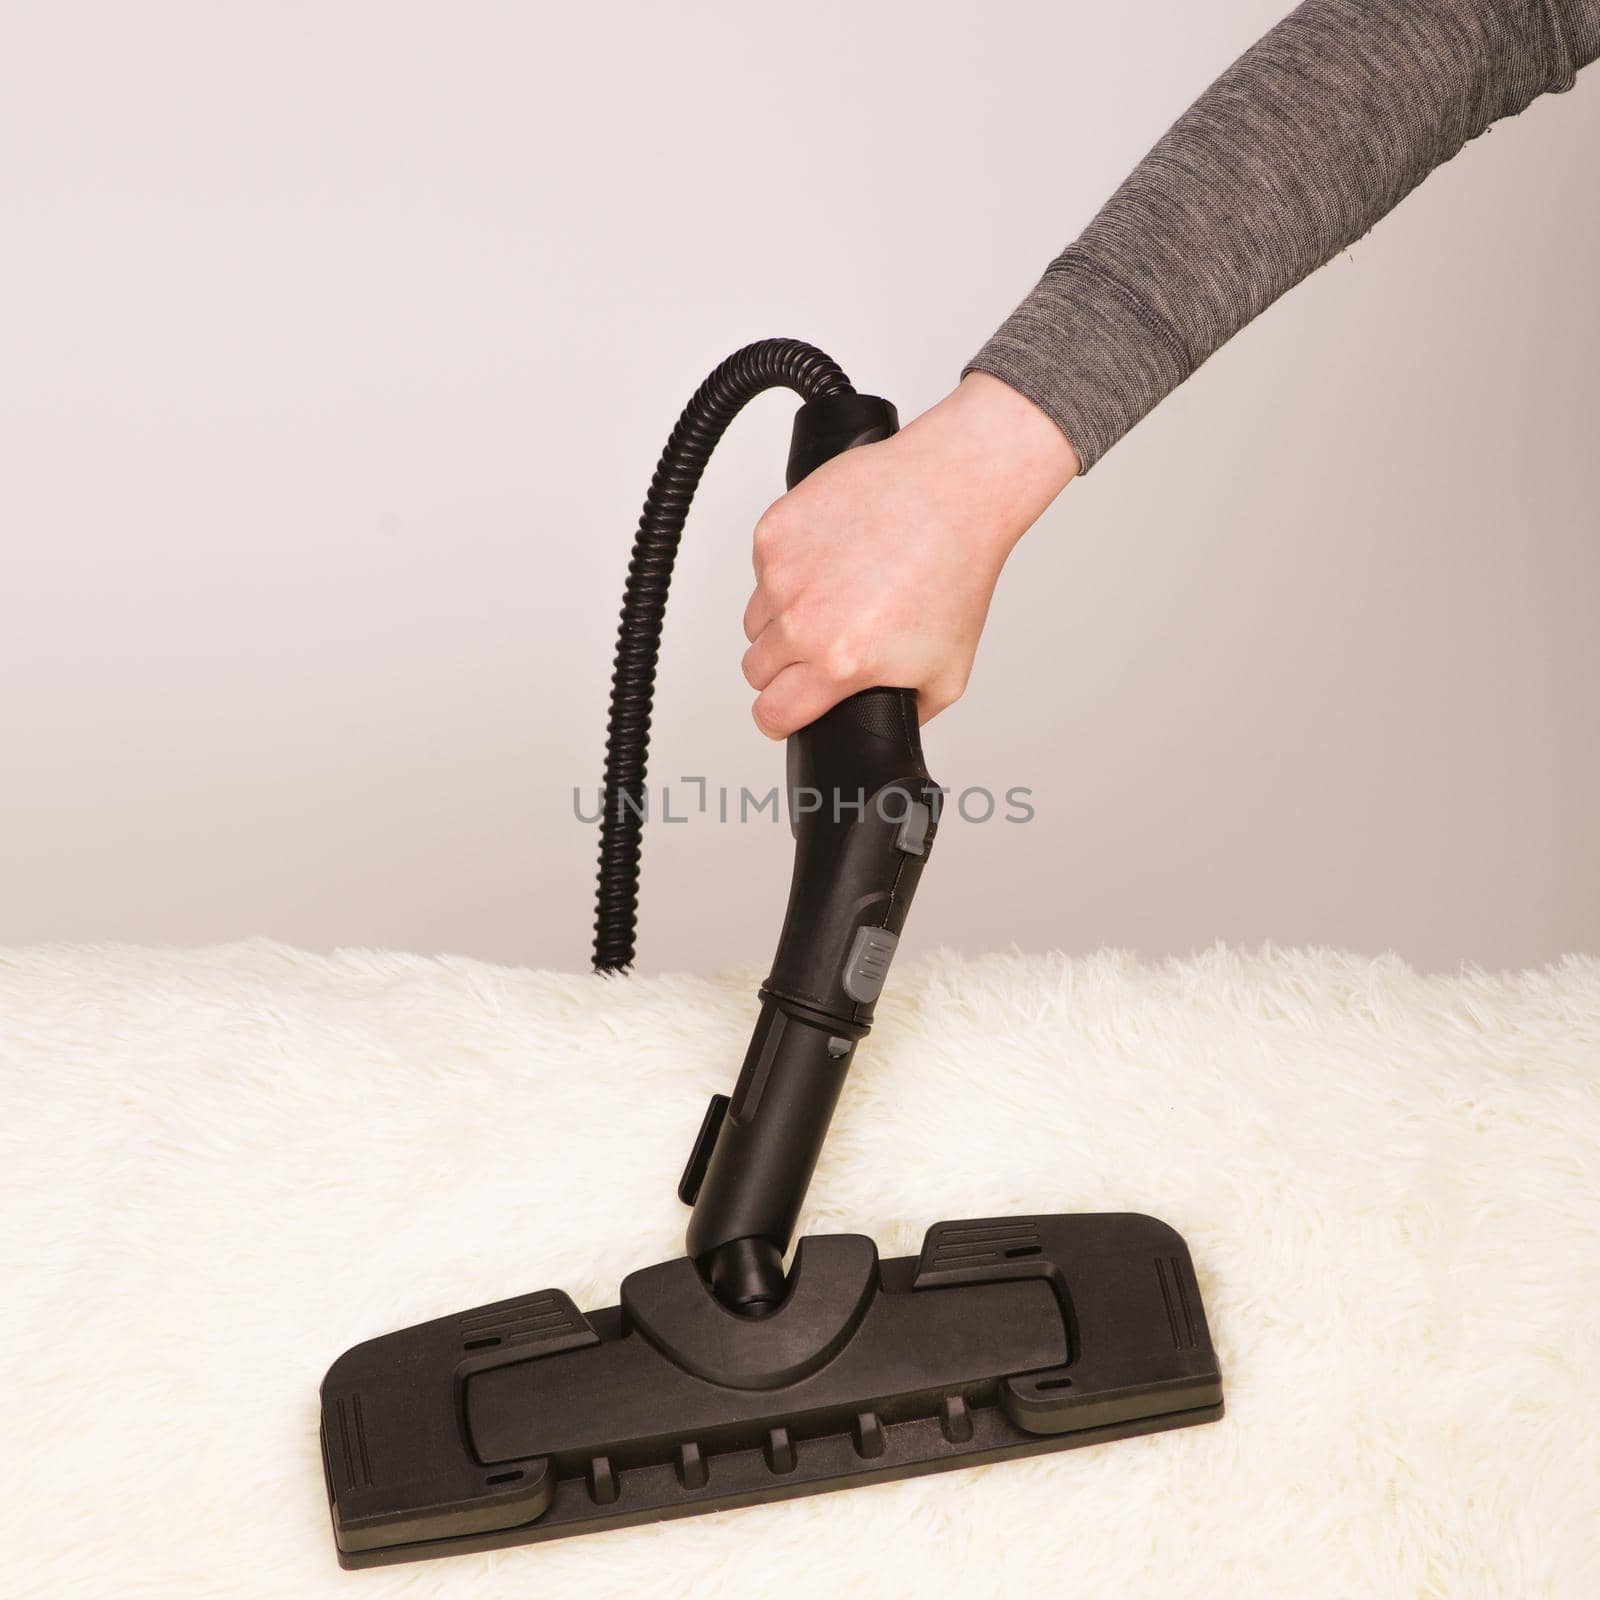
864,813
831,424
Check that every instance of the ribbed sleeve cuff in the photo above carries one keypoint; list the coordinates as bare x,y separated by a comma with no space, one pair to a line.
1088,352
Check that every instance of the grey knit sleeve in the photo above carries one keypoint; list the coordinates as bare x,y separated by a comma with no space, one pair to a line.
1309,138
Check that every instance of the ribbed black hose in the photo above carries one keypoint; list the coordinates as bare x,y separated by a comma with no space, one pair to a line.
764,365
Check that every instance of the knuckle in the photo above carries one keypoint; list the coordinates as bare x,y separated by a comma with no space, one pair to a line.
841,659
773,587
797,625
771,529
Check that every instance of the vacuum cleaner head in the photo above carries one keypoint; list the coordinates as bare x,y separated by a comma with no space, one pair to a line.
528,1420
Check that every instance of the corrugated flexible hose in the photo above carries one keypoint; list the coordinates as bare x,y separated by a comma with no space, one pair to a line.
767,364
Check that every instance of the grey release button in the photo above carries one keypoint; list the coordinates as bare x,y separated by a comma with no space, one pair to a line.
868,965
912,837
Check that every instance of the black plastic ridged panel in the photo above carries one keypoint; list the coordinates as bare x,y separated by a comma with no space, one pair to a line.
885,713
549,1317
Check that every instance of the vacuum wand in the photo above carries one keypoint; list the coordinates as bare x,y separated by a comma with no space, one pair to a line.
863,812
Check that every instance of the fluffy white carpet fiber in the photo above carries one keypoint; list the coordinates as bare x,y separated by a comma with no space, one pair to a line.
220,1168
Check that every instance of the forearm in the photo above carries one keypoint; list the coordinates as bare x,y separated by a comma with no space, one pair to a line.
1314,134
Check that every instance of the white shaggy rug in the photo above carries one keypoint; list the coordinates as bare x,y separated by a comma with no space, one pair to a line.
220,1168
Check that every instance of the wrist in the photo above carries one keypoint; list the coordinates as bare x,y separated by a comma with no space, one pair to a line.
999,452
1019,434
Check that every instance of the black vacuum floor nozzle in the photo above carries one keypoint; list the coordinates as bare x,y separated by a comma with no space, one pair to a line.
529,1420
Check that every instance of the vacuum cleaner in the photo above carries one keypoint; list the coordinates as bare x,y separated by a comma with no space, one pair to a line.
726,1377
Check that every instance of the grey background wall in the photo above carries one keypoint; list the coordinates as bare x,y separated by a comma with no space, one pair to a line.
339,342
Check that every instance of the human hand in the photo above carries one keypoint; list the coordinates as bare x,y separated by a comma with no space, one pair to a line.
878,568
